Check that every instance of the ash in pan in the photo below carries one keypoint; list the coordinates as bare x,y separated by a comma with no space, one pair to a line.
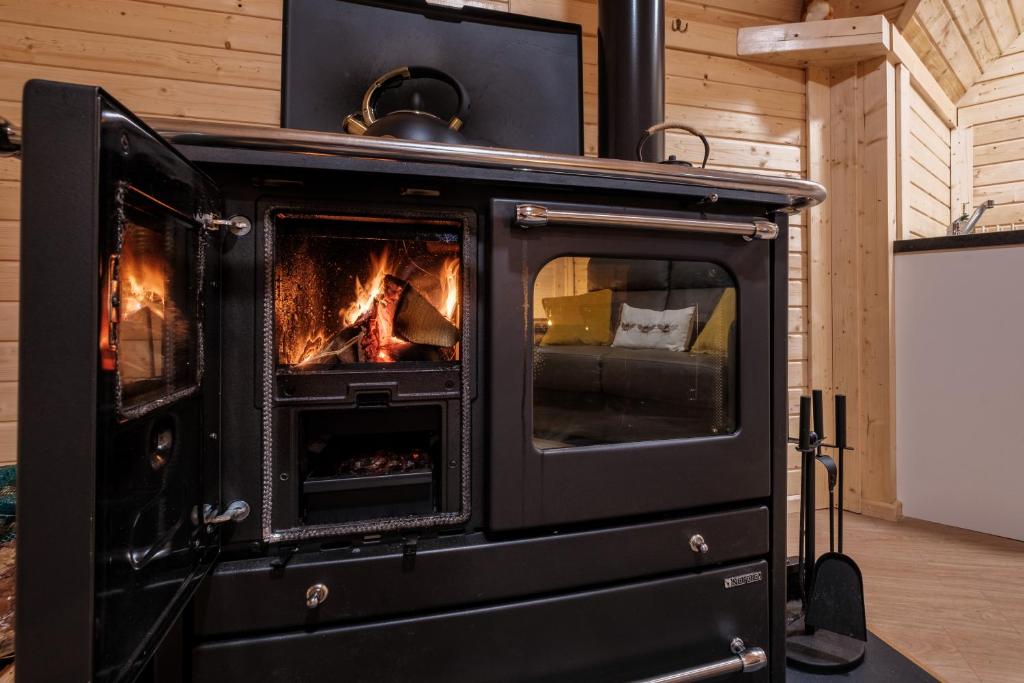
377,462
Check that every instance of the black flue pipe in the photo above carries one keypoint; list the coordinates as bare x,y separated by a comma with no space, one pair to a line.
631,76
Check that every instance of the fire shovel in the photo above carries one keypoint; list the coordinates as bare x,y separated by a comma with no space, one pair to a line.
836,628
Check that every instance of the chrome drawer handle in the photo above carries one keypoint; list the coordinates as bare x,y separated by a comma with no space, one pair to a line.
537,216
746,660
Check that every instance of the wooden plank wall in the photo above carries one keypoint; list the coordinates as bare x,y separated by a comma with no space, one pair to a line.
927,161
994,108
220,60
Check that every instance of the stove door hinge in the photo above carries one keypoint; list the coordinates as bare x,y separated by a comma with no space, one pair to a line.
236,225
235,512
410,545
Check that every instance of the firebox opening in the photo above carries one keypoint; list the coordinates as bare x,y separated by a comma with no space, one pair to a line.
366,290
367,463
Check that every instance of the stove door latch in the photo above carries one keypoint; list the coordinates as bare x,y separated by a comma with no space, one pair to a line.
235,512
238,226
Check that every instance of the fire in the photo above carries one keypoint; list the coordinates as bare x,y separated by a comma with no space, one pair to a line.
366,295
143,289
450,289
372,294
364,317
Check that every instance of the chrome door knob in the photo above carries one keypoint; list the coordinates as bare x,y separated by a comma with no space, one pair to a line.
316,595
698,545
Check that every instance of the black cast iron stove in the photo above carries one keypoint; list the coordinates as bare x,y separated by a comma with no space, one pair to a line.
304,405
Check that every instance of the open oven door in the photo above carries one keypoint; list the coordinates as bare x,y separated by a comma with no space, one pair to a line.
118,465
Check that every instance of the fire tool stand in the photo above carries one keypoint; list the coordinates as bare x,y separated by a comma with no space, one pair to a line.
827,632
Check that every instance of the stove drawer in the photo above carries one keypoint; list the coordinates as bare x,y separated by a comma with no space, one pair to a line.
449,574
622,633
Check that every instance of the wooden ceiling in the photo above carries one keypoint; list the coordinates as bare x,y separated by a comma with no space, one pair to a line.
958,39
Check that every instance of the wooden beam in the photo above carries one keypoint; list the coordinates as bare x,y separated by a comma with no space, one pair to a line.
906,14
819,251
877,342
847,133
831,42
922,78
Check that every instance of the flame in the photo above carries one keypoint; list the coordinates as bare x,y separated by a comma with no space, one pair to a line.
366,295
450,289
373,295
143,288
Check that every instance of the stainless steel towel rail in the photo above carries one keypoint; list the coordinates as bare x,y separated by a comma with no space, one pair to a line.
537,216
746,660
798,194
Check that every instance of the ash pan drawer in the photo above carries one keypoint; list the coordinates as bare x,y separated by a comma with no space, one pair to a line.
448,575
626,633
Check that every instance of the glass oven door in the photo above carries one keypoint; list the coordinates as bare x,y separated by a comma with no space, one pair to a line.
629,363
117,455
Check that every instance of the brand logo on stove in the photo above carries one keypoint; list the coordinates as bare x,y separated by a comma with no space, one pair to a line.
744,579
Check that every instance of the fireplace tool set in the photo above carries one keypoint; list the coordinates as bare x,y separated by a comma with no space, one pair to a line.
829,632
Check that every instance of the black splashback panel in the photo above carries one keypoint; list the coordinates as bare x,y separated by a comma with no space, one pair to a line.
523,74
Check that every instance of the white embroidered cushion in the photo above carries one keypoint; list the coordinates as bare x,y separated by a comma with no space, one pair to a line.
640,328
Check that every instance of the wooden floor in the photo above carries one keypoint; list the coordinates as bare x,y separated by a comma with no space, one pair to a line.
949,599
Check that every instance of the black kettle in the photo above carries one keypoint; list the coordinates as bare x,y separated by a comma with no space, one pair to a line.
405,123
672,125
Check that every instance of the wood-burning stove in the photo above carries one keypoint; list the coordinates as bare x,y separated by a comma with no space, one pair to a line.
364,389
296,404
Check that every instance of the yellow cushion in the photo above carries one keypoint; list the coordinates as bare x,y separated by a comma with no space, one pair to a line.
714,338
582,319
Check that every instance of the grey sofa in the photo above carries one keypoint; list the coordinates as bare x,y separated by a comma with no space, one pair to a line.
587,395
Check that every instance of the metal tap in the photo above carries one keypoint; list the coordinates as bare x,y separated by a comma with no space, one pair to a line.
966,227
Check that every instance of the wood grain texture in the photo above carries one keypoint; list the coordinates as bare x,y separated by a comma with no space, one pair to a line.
847,134
959,40
951,600
925,175
819,252
993,109
835,41
877,233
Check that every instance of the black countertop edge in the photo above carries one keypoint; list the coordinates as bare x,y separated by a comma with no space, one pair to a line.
972,241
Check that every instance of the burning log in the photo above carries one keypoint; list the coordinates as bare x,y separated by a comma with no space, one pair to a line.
401,324
418,321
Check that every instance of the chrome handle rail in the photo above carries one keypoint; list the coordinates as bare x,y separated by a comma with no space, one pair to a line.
537,216
746,660
798,194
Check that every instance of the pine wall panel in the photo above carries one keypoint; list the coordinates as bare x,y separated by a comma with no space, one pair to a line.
994,107
219,60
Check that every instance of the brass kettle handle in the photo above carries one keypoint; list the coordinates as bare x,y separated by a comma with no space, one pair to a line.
395,77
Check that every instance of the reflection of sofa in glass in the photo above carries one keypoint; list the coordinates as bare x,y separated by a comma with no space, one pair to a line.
589,394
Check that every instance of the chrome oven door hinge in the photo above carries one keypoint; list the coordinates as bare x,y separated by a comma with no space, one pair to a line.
237,225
